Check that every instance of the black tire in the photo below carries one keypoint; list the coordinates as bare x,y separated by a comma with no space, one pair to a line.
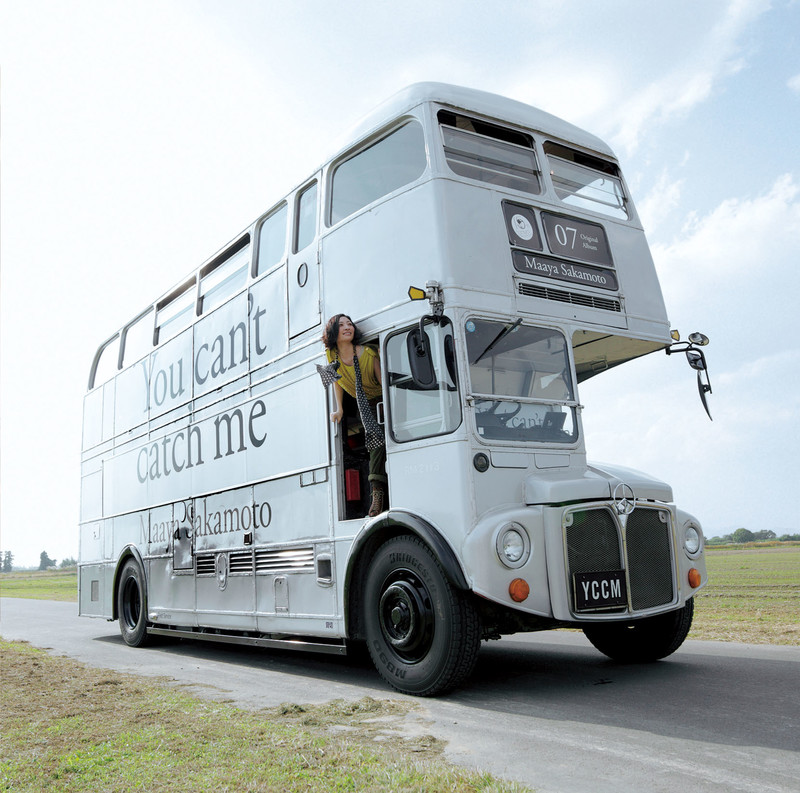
132,604
423,635
645,640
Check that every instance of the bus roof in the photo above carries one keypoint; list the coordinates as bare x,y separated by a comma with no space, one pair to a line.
486,104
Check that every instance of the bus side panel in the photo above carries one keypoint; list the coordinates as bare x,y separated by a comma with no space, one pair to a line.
403,234
282,430
426,478
170,589
268,326
295,580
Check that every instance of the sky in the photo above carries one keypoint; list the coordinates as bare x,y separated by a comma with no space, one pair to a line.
136,139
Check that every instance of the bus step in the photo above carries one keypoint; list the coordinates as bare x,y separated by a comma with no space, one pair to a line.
303,644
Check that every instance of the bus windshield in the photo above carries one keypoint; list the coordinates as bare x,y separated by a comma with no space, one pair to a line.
520,382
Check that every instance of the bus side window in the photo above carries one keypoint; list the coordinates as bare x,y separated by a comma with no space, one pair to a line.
423,394
176,311
106,362
225,276
137,338
272,240
306,219
385,166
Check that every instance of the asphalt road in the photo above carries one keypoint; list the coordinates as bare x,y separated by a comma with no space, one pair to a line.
544,709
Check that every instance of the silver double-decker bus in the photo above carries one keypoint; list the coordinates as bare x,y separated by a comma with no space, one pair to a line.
492,256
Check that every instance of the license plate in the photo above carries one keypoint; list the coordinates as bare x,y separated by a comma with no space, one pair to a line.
600,590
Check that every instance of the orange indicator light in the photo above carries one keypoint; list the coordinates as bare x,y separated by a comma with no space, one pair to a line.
519,590
694,578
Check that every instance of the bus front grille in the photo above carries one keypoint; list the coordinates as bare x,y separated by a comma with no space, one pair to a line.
649,559
563,296
595,544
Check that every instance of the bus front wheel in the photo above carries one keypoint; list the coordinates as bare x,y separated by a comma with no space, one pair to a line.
644,640
423,635
132,604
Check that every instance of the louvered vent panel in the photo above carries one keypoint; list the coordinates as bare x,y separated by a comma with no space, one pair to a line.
574,298
241,562
206,564
285,559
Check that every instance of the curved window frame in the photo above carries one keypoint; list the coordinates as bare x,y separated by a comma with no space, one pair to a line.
225,276
366,160
489,153
270,225
420,382
529,416
574,175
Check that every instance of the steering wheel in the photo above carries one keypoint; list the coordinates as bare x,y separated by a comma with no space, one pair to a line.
503,418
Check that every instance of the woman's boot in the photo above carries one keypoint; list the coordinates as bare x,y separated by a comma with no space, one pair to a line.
376,507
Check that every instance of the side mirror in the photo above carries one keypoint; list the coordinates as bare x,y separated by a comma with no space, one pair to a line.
419,358
697,360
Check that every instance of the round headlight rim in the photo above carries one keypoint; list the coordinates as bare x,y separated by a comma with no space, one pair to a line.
691,530
521,531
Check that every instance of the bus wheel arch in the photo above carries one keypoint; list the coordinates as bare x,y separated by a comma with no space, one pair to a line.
130,599
423,633
371,538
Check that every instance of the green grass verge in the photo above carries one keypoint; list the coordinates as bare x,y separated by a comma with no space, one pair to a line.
753,595
45,585
68,727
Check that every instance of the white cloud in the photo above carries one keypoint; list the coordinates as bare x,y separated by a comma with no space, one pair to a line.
713,56
663,198
747,243
794,83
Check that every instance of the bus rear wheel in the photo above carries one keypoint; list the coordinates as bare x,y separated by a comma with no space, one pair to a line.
423,635
132,604
644,640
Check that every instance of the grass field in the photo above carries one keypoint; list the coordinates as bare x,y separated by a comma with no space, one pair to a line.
753,596
46,585
68,727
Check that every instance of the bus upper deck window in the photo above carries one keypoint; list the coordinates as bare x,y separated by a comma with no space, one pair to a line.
226,276
176,311
106,362
585,181
306,220
489,153
385,166
137,339
272,240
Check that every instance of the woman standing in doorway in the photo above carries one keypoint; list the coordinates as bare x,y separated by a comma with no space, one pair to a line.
359,370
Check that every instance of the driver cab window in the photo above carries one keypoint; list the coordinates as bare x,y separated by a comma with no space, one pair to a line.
423,387
520,382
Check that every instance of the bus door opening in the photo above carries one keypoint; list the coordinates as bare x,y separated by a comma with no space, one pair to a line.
353,459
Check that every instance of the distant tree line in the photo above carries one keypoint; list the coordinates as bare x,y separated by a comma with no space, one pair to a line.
745,535
45,562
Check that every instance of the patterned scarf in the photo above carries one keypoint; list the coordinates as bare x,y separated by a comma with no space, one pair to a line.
373,431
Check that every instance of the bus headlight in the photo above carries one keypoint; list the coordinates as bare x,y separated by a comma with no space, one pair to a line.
513,545
692,539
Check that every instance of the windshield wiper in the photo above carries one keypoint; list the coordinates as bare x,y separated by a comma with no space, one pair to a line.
503,333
